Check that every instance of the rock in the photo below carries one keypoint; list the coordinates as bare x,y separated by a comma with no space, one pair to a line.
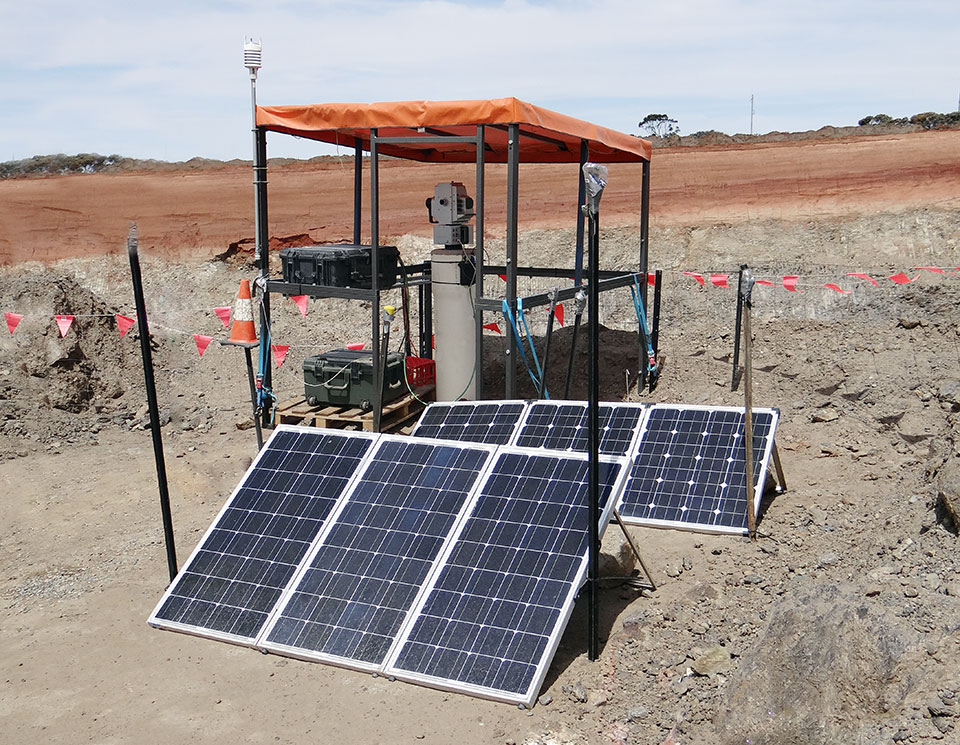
702,591
753,579
948,491
828,559
949,394
910,591
673,570
244,423
616,557
687,563
637,713
577,693
712,661
909,323
827,414
545,700
635,625
823,687
952,589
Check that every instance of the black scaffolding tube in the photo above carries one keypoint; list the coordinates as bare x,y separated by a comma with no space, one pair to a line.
513,176
375,272
478,262
357,189
581,200
644,227
593,435
152,406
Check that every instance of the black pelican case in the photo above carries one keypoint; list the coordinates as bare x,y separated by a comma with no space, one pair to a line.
344,377
338,265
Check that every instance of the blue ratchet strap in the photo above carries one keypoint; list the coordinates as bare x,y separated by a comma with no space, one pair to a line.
642,318
533,351
264,394
508,317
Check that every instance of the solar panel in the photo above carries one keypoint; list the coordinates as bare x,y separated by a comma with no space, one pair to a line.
481,421
493,613
559,425
688,468
369,565
233,578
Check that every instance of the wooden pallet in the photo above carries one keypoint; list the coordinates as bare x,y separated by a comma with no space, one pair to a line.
396,414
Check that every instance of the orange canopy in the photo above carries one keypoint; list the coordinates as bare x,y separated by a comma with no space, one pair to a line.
545,136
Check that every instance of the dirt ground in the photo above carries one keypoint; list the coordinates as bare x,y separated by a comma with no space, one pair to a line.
842,624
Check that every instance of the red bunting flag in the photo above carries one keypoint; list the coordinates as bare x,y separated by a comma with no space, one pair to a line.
433,341
301,301
902,279
13,320
934,269
279,353
355,347
503,277
223,313
202,343
836,288
719,280
124,324
790,283
558,313
698,277
652,279
867,277
764,282
493,327
64,323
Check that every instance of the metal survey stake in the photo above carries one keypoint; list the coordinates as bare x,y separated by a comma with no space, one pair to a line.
154,409
746,291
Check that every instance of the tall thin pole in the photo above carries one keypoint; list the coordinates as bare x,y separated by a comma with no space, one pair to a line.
747,291
151,386
595,179
751,113
513,176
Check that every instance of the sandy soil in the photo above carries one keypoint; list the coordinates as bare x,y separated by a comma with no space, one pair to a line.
841,624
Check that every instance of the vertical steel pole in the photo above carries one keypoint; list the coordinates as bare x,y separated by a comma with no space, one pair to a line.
153,407
644,228
581,200
478,260
735,375
748,414
357,189
655,332
253,397
375,274
593,432
263,248
513,175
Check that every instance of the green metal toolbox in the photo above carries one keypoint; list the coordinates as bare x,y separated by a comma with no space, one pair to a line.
344,377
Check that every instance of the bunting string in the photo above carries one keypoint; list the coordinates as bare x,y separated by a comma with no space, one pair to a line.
841,283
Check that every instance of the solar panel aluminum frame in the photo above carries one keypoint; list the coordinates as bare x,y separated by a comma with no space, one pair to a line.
345,662
759,476
244,641
526,698
644,407
525,404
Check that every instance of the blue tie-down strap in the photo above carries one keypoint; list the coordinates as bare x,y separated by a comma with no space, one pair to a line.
642,319
509,319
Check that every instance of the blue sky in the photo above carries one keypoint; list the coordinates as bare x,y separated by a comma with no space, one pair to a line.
166,80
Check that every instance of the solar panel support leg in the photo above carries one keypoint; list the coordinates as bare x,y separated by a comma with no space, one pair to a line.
781,481
636,551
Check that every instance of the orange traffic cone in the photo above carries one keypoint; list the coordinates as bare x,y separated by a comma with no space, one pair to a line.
242,332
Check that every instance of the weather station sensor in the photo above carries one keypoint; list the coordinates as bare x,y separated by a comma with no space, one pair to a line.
252,56
450,212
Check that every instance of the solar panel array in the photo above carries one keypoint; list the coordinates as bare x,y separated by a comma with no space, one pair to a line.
233,579
368,567
493,422
564,426
492,617
688,469
454,564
